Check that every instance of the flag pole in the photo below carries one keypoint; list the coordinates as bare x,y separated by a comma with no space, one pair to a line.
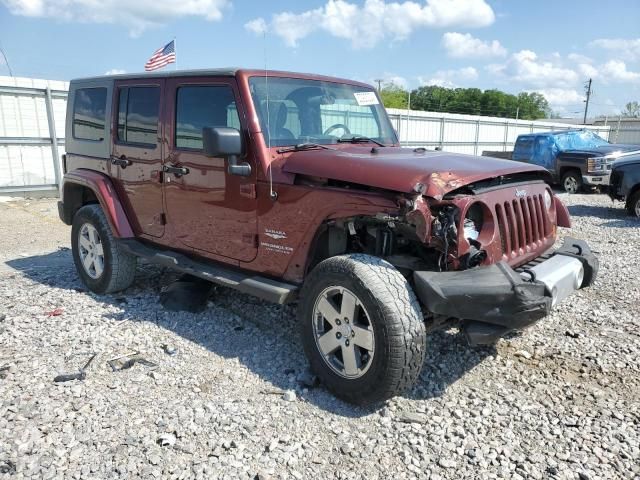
175,50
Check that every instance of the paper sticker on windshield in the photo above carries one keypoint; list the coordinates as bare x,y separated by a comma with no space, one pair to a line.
366,98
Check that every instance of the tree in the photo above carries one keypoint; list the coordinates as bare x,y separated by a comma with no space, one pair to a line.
631,109
394,96
473,101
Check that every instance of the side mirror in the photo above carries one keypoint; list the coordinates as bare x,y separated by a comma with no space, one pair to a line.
225,142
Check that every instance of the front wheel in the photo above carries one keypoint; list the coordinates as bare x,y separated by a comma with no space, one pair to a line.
572,182
102,264
633,204
362,328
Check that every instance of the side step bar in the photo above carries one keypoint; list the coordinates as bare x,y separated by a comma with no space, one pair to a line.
261,287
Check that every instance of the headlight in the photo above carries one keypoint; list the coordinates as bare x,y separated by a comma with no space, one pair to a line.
473,221
547,199
596,164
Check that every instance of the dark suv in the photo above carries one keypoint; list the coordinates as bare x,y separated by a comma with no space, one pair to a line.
294,187
625,183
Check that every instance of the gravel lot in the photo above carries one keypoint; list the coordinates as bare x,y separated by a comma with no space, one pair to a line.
560,401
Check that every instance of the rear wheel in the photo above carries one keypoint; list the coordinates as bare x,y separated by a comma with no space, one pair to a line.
362,328
633,204
572,181
103,266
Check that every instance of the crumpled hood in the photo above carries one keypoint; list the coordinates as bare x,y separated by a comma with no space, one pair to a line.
400,169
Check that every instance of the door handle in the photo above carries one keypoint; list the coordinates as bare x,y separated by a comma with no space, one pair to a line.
121,161
177,171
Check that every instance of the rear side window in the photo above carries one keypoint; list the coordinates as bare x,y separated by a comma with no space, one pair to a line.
138,115
89,112
524,148
203,106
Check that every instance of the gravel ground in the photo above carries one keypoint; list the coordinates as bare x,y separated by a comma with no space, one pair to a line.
560,401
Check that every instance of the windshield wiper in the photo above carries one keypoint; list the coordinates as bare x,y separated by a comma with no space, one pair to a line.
360,139
302,147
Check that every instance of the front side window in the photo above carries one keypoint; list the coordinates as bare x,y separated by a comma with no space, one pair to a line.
202,106
89,113
293,111
138,115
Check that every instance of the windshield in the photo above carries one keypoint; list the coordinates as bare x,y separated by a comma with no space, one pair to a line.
312,111
579,140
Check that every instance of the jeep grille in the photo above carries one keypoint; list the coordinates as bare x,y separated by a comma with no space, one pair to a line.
523,225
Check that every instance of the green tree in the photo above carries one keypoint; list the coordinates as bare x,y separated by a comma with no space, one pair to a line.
474,101
394,96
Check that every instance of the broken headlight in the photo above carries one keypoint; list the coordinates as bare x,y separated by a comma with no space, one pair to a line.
473,221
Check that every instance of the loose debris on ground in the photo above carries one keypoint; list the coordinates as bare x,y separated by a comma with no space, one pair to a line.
235,400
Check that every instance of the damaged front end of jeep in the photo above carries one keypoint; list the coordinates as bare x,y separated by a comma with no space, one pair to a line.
479,255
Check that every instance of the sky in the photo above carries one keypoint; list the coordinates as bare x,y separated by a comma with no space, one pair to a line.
552,47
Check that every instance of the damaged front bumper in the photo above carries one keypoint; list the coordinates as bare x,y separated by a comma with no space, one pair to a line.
496,299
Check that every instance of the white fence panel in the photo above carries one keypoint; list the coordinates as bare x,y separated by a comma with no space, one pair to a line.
29,156
469,133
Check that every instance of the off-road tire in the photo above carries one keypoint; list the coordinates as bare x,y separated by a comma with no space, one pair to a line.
572,181
396,319
633,204
119,266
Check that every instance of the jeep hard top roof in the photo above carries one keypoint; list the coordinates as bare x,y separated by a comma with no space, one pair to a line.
219,72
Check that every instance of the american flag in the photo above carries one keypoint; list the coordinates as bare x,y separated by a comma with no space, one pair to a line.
161,57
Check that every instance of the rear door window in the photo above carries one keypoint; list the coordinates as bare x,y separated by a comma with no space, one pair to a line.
138,115
199,106
523,149
89,112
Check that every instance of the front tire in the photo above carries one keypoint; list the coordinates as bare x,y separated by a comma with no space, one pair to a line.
633,204
103,266
362,328
572,182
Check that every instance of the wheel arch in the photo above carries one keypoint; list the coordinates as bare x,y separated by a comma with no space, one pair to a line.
568,168
82,187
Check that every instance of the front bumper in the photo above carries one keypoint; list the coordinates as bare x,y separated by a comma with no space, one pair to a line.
496,299
596,180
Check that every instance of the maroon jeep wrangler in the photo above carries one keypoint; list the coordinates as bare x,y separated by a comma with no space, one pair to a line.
294,187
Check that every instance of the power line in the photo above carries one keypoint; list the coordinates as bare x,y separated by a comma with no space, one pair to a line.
6,60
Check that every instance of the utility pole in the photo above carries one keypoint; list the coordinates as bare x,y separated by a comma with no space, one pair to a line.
586,105
379,82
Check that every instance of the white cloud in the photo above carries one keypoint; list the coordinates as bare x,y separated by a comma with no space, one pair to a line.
115,71
463,45
526,67
628,48
393,78
366,25
579,58
617,70
588,70
136,15
561,96
257,26
450,78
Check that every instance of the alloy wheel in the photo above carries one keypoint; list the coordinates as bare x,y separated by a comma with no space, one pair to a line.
91,251
571,185
343,332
